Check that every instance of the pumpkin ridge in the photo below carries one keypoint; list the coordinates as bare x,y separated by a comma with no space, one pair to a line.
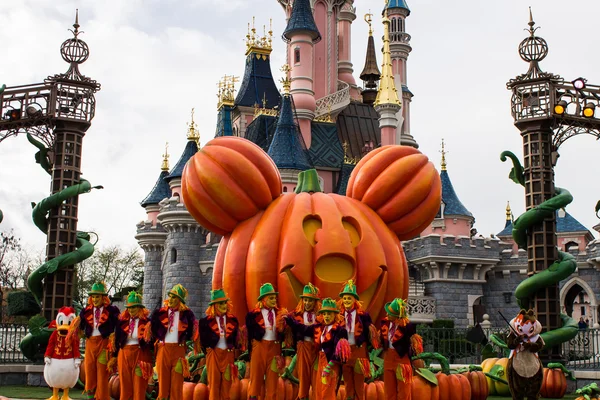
215,177
248,176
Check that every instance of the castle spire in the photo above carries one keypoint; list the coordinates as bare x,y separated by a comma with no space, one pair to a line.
301,21
443,151
165,161
509,215
192,132
370,74
387,93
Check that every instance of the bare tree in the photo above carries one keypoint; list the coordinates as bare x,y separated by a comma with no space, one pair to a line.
117,267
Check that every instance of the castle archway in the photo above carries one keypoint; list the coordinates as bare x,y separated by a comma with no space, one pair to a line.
573,292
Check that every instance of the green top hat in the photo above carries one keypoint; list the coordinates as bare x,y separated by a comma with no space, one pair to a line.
134,300
217,296
329,305
310,292
397,308
98,288
265,290
349,288
179,292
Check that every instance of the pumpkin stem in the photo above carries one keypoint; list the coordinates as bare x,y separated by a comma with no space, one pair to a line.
308,181
568,373
473,367
437,356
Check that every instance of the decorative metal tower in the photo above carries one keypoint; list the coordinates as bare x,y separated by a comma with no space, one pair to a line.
547,111
58,112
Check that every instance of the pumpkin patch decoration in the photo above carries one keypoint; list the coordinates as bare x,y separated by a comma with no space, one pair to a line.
232,188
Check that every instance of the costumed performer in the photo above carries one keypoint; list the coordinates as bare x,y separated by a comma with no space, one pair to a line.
361,333
219,337
97,321
305,315
524,369
133,349
400,343
62,355
173,325
266,332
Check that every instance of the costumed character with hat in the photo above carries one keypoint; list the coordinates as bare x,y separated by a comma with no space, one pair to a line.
305,315
524,369
266,331
62,355
219,337
173,325
400,342
133,349
98,322
331,338
361,333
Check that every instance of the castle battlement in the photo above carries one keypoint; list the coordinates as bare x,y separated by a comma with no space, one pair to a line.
453,246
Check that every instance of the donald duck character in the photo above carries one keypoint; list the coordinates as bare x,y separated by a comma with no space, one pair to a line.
62,355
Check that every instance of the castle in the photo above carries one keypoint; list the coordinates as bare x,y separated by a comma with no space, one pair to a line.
325,120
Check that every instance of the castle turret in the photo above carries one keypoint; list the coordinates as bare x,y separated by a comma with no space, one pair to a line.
225,106
191,148
151,237
344,40
370,74
453,217
397,11
287,148
387,102
257,87
301,33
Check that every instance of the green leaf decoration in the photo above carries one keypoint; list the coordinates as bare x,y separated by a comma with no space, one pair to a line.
36,323
428,376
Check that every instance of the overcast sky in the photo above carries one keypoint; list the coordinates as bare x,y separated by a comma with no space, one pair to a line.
156,59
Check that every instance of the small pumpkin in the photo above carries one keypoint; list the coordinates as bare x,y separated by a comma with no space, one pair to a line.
188,390
496,367
200,392
114,386
422,388
589,392
554,385
478,382
451,386
401,185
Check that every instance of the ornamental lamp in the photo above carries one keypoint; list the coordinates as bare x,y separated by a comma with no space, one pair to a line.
579,83
560,107
588,110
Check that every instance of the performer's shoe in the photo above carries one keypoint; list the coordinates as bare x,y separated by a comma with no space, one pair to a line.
65,395
54,394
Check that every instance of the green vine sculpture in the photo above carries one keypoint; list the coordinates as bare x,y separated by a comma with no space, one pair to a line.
39,334
558,271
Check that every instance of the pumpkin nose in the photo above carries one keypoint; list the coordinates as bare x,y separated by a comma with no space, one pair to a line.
334,269
334,254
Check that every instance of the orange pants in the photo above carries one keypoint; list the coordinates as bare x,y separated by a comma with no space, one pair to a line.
169,367
263,353
96,375
132,383
353,381
306,354
217,361
394,388
326,391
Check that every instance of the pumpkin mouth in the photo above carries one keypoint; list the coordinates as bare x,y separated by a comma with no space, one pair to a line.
335,269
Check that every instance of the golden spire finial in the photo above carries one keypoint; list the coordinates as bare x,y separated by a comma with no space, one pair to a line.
387,93
261,46
508,211
347,158
165,161
286,81
369,20
226,94
193,133
443,151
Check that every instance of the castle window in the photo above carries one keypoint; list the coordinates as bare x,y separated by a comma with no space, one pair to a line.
173,255
571,245
400,25
394,24
297,55
284,189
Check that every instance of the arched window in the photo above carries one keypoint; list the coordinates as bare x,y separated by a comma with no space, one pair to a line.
173,255
284,189
400,25
297,55
394,24
571,245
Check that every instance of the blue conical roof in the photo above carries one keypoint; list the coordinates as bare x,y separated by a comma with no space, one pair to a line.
564,224
452,205
287,148
301,20
398,4
160,191
191,148
258,85
224,127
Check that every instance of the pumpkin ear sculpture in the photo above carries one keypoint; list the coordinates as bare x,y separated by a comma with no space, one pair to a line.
227,181
401,185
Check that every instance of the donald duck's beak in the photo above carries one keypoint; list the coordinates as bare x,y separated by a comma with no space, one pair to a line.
63,329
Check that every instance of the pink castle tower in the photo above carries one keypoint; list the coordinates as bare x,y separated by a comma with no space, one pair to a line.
387,104
397,11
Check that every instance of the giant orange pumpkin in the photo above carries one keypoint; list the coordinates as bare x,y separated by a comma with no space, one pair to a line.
232,187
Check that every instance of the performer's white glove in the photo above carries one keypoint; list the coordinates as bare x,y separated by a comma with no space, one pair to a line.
47,360
77,362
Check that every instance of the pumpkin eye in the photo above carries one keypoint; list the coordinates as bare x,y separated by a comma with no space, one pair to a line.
353,228
311,225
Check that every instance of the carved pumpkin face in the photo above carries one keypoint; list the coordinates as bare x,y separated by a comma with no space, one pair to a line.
325,239
233,188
